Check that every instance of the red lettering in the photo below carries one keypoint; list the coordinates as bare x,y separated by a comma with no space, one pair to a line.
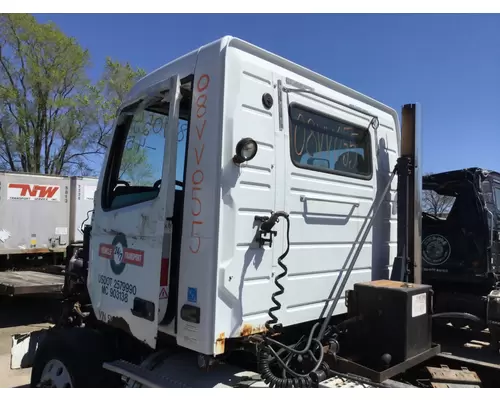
198,157
193,225
203,82
24,188
193,178
135,257
40,191
194,251
47,191
106,251
202,108
194,235
200,134
197,200
198,175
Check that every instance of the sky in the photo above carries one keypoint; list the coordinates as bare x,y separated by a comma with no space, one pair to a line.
450,64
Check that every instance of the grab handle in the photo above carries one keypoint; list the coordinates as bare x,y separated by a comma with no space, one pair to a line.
304,198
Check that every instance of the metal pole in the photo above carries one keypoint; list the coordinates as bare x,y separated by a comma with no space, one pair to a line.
362,234
408,263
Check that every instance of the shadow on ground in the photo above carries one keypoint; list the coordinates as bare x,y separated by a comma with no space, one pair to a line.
16,311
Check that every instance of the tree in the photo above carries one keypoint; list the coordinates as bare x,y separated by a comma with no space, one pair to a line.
102,101
53,120
435,203
41,72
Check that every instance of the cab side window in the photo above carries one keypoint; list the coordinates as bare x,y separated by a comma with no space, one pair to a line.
322,143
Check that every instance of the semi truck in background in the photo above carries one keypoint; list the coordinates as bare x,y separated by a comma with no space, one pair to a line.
461,246
39,216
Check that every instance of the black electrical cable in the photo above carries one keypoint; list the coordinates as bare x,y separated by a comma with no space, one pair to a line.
293,347
275,381
465,315
267,354
277,305
85,220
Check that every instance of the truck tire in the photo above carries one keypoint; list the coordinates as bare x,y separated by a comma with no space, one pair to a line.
73,358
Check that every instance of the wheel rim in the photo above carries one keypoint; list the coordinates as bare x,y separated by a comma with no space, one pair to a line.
55,375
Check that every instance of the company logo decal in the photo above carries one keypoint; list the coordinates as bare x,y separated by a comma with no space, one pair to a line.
119,254
25,191
436,249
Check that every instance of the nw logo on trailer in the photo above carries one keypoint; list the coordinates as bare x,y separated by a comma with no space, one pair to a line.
25,191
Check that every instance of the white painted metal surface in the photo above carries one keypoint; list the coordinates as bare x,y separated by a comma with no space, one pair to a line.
128,235
82,203
326,209
222,272
34,213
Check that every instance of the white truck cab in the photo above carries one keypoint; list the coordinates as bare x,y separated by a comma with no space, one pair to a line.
201,147
246,201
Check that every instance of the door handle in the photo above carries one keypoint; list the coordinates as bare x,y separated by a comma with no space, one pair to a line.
143,309
304,198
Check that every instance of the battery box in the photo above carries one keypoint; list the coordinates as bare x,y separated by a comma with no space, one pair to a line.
395,321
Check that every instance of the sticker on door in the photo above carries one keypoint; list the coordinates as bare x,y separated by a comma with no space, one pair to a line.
192,295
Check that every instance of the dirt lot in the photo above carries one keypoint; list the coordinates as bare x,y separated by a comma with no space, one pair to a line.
20,315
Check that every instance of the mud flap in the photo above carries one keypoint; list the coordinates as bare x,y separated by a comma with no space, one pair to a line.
24,347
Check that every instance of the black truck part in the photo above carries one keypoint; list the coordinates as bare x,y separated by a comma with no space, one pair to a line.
460,242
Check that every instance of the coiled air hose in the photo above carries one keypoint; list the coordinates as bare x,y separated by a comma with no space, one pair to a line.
267,354
266,226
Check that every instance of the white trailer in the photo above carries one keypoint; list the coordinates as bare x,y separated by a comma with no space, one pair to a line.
34,213
81,205
39,216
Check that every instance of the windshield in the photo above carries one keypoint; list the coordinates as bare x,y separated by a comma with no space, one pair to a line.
436,204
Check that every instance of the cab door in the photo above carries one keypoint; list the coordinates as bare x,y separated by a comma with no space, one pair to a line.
329,188
132,221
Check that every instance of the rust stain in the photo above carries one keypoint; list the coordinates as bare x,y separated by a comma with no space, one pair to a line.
220,343
249,329
388,284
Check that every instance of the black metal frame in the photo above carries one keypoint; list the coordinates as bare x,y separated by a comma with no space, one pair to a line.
351,367
407,265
